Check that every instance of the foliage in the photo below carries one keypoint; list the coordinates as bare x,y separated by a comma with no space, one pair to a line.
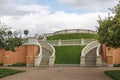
1,64
68,54
73,36
9,39
26,32
116,65
115,74
19,64
6,72
109,29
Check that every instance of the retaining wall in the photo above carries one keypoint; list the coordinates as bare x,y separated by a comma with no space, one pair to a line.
23,54
111,56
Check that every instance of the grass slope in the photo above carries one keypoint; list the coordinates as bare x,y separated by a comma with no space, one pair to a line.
73,36
6,72
115,74
68,54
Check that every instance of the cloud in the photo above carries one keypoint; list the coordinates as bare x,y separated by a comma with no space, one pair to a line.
34,9
40,18
11,7
91,5
47,22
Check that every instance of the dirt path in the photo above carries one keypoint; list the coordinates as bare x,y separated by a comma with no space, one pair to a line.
59,73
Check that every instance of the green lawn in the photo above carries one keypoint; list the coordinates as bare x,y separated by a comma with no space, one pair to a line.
68,54
115,74
73,36
6,72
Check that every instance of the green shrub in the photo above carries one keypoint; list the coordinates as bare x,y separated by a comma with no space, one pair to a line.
115,74
116,65
19,64
1,64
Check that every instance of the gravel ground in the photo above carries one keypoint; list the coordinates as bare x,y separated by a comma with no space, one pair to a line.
60,73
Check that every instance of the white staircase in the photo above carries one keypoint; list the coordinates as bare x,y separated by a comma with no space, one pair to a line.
46,56
90,55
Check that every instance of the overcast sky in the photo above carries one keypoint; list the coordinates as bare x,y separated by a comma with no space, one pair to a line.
46,16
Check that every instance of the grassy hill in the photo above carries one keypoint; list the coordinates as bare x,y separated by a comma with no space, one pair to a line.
68,54
73,36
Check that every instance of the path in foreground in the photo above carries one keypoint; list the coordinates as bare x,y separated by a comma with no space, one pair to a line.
59,73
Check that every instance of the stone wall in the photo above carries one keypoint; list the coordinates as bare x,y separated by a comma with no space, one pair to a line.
111,56
23,54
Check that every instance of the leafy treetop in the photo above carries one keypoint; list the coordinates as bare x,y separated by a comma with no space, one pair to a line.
9,40
109,28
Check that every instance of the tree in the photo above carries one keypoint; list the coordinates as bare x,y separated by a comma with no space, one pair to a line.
26,32
9,40
109,28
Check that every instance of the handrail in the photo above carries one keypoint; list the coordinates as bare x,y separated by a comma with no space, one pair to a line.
44,38
75,31
71,31
38,58
98,50
51,49
89,47
98,57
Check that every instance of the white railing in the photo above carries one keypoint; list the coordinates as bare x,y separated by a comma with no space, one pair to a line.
71,31
38,58
89,47
75,31
98,50
51,49
44,38
98,57
70,42
34,41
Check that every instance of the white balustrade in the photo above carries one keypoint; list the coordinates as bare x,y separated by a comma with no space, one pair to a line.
98,57
71,31
51,50
88,48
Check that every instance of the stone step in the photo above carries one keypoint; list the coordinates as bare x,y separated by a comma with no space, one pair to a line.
90,58
45,57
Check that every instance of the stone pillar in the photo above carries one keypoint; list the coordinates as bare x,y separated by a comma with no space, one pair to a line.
32,39
99,61
36,36
82,42
37,61
82,61
51,61
59,42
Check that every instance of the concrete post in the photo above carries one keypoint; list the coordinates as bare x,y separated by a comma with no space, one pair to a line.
82,42
99,61
82,63
31,39
51,61
59,42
